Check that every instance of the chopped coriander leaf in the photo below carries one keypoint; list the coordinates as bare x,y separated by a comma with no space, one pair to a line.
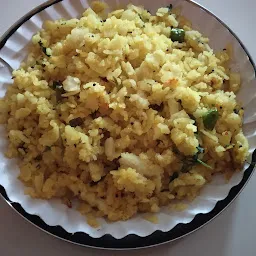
204,164
210,119
200,149
189,162
178,34
46,51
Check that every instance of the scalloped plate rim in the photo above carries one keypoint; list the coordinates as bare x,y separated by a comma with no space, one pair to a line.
36,10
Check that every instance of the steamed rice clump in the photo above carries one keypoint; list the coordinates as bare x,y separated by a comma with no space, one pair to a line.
113,111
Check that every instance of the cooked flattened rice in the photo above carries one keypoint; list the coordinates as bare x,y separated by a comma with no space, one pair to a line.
125,111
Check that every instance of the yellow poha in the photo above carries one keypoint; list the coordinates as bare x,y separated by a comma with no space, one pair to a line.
125,112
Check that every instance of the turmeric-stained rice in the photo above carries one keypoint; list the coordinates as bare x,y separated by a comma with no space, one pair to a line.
125,113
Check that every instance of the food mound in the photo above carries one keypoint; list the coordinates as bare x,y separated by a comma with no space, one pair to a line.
124,111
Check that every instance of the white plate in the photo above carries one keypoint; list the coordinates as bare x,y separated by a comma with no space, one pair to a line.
53,212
